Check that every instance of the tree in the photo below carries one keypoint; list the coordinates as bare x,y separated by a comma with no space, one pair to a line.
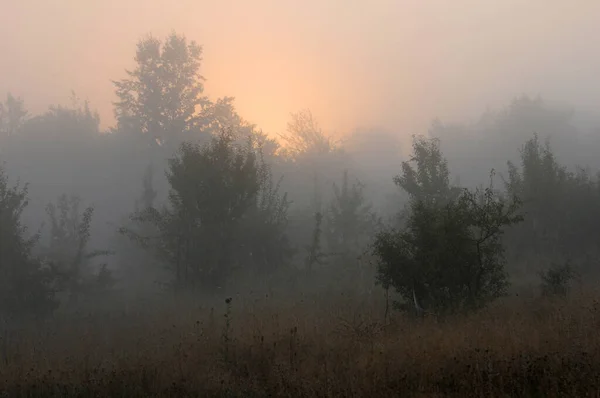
349,220
163,94
305,138
139,266
220,197
221,114
67,252
63,125
492,138
308,157
562,206
12,116
449,256
25,282
556,280
430,181
265,244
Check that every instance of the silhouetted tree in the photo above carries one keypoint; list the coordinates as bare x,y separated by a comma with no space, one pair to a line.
304,137
350,221
162,96
430,181
492,138
449,256
216,190
309,157
63,125
25,283
68,253
556,280
12,116
265,245
562,206
221,114
139,266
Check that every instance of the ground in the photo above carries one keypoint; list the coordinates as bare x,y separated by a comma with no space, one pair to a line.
323,345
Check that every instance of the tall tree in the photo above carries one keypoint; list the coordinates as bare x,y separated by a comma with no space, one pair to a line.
163,94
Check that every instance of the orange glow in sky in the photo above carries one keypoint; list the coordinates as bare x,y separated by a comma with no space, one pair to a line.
389,63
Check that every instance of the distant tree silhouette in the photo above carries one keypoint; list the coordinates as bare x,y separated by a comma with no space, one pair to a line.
304,137
562,206
26,285
63,125
350,221
12,116
68,252
163,95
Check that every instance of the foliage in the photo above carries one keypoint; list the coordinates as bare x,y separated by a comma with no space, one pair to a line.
221,114
430,181
562,206
12,116
308,156
68,251
63,125
305,138
556,280
138,265
25,283
223,213
449,257
161,96
350,222
264,226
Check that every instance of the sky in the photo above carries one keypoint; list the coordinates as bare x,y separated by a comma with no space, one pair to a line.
389,64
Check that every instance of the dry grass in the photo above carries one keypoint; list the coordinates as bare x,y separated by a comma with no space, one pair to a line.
322,347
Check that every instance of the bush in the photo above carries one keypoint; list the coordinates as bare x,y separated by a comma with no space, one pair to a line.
556,280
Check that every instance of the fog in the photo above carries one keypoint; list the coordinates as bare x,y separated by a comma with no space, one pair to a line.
372,75
299,198
389,64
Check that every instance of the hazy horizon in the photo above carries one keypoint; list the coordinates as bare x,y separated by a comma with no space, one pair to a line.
389,64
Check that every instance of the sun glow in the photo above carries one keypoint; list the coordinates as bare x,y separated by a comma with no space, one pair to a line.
353,63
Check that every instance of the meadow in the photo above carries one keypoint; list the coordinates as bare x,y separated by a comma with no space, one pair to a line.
321,345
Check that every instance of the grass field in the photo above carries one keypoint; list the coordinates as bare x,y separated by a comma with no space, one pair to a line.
336,345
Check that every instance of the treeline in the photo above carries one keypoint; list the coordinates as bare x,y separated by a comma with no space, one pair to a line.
194,197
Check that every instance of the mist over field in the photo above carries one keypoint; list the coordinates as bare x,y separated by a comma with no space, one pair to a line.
318,198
